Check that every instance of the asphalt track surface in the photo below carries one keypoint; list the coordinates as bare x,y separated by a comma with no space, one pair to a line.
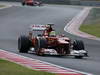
16,20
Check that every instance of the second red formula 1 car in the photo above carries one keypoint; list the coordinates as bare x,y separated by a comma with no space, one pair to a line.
42,40
32,2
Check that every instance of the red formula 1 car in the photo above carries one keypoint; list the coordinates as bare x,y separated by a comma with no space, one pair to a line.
32,2
42,40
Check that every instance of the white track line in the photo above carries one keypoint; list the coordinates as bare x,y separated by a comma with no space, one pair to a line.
5,6
73,26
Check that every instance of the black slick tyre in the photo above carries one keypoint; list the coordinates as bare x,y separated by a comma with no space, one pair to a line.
23,44
78,45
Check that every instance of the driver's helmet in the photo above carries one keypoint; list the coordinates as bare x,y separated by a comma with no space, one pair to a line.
52,33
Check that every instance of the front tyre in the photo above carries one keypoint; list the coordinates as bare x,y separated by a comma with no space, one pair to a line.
23,44
40,45
78,45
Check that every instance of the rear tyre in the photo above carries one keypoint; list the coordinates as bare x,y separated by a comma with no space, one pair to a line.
42,42
78,45
23,44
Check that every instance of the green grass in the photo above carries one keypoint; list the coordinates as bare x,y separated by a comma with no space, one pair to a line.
92,23
91,29
9,68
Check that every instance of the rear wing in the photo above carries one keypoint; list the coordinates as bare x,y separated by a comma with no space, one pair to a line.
38,27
